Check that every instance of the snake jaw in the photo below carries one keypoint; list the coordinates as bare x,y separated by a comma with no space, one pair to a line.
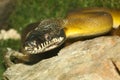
46,36
34,48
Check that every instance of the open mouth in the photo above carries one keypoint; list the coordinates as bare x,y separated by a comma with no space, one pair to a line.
43,47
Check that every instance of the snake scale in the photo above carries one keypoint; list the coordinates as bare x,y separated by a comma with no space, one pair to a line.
51,33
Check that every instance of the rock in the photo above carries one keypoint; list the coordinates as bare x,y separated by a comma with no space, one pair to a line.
95,59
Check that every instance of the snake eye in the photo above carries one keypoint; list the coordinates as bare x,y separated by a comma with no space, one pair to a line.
47,37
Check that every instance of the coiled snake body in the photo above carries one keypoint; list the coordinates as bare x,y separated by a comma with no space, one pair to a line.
49,34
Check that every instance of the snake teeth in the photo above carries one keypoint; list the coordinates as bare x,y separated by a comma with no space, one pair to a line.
47,43
45,46
42,45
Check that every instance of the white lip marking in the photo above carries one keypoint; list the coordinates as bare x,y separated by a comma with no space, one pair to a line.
42,45
29,44
61,38
49,42
34,43
48,45
35,48
54,40
39,47
26,48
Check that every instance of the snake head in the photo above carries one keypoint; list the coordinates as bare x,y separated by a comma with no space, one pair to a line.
47,35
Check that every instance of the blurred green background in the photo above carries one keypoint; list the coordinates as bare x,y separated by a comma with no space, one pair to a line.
28,11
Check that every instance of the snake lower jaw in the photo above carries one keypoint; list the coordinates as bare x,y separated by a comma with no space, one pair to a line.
44,47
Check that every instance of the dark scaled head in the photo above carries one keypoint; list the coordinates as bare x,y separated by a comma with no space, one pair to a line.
47,35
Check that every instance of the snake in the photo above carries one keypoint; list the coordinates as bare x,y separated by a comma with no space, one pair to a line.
51,33
48,34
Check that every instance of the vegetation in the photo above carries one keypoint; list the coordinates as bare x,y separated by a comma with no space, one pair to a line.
28,11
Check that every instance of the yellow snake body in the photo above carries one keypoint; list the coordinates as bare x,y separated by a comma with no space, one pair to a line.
115,13
91,21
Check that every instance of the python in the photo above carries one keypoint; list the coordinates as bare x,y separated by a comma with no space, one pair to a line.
49,34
